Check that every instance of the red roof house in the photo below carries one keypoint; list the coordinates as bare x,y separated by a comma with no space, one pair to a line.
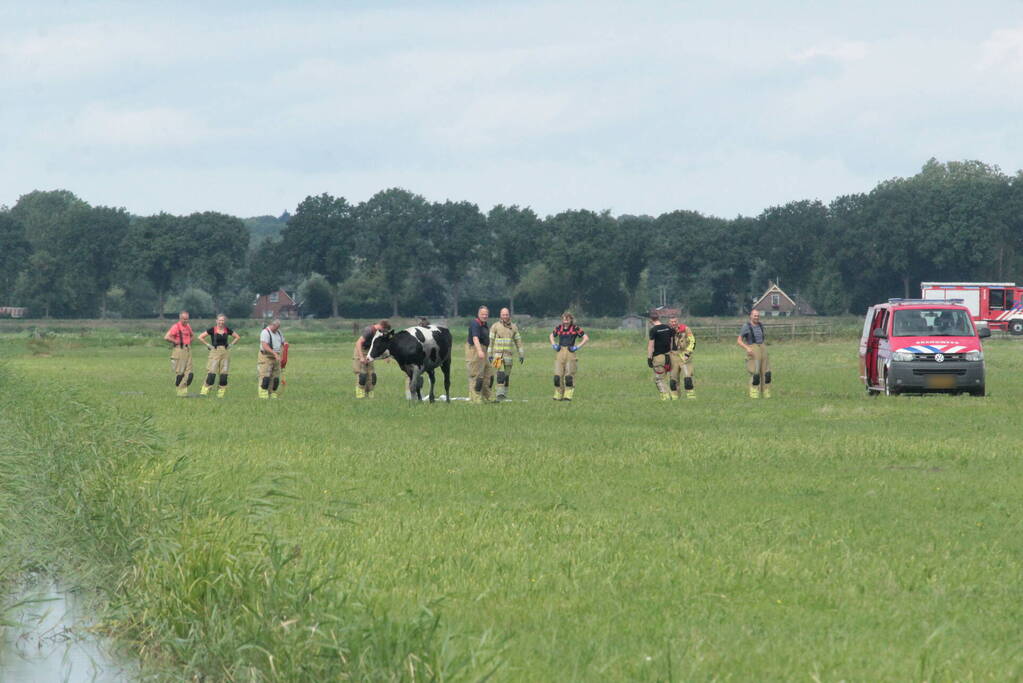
277,304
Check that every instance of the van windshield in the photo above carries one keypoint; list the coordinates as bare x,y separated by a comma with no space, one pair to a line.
932,321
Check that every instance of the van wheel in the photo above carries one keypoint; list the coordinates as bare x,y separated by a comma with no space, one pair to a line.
889,387
1016,327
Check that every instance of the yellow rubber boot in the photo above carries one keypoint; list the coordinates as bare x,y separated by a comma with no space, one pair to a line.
568,393
221,391
665,396
557,395
360,392
674,396
754,392
263,393
205,391
767,391
273,394
690,393
182,391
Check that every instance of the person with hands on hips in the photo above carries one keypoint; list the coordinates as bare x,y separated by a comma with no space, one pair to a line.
221,339
566,339
751,339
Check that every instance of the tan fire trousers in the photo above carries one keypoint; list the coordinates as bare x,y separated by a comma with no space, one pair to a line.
481,374
365,374
758,365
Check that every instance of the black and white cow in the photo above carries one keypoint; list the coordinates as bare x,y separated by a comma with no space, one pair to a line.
417,350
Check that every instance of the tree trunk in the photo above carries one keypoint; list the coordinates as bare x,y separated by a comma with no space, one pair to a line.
334,302
454,295
161,302
905,286
511,303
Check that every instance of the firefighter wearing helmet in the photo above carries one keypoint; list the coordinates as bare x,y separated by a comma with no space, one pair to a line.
682,346
753,342
504,337
566,339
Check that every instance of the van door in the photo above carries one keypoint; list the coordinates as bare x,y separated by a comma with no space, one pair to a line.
870,362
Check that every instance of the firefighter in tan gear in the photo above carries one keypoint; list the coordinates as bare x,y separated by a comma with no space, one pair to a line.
271,346
481,373
504,335
563,341
751,338
180,337
221,339
658,353
365,373
682,346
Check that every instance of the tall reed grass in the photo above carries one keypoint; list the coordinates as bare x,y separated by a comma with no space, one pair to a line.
194,582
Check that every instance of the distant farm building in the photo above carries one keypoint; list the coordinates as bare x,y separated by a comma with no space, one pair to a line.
13,311
277,304
775,302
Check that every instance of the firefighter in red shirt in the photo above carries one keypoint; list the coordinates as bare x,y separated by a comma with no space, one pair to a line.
180,337
566,339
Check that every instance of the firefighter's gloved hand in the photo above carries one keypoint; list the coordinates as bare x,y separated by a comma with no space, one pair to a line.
650,362
522,359
556,347
685,357
573,349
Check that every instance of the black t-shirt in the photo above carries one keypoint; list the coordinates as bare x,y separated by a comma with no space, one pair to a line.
217,339
367,336
567,334
662,335
479,329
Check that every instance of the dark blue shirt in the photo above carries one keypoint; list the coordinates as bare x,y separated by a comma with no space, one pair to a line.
752,334
479,329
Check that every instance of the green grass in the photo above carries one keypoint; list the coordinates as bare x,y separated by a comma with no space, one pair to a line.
821,534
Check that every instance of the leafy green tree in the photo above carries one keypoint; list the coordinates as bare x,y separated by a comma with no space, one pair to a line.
789,235
393,225
157,249
14,253
266,270
457,232
635,240
218,245
516,235
581,252
44,287
317,295
320,238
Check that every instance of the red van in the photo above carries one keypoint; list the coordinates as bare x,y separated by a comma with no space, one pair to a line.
921,345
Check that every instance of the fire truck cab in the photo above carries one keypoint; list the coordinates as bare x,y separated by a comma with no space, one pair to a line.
999,305
920,345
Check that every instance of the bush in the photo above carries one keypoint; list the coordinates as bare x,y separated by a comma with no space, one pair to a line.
198,302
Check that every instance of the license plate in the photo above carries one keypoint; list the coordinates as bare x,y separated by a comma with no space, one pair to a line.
941,382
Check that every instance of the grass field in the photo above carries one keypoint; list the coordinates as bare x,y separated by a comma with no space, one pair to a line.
820,535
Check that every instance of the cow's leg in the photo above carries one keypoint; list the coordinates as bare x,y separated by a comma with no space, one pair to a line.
433,381
408,382
416,384
446,369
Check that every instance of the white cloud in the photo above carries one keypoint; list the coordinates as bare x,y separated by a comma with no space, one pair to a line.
1003,49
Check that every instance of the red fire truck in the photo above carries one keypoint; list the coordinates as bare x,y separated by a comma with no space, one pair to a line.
999,305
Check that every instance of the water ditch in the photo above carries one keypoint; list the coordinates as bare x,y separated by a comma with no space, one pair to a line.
48,639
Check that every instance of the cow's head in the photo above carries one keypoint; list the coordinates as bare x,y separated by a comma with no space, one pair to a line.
380,347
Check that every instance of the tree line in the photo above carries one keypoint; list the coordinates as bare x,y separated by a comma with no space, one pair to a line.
399,254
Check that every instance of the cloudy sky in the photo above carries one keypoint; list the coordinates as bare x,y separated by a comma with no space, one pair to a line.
637,107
